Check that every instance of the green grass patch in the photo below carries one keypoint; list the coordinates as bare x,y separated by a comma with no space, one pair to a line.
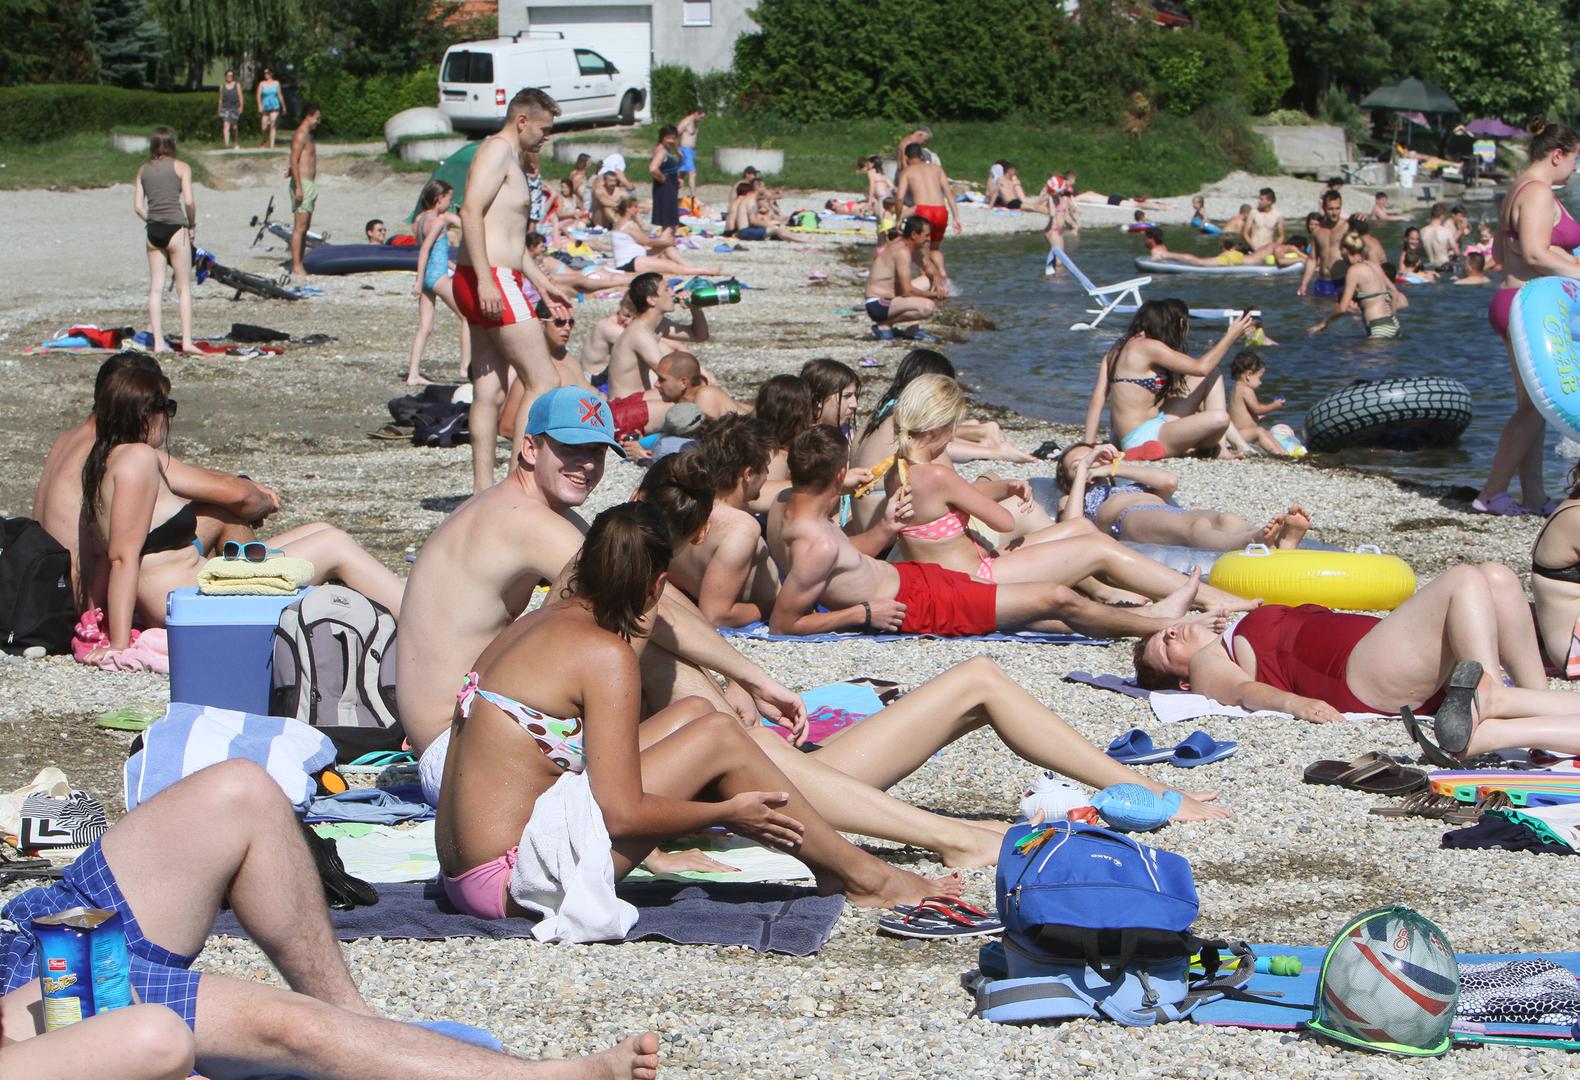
1175,155
84,160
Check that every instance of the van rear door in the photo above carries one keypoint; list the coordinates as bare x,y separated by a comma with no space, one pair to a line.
467,92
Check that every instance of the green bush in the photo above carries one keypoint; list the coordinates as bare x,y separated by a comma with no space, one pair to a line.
1187,68
357,106
674,89
31,114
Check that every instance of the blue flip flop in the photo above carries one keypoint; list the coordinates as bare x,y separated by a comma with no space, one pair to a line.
1200,748
1135,747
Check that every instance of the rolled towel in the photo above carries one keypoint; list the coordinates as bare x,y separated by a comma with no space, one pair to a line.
278,575
565,869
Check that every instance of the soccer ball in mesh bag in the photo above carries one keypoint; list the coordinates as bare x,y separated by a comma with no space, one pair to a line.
1389,982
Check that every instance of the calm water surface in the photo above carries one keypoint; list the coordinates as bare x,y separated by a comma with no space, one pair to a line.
1038,366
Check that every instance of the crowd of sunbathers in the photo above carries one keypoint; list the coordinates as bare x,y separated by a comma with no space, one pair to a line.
563,735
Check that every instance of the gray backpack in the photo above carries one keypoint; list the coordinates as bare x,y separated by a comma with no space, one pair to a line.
334,668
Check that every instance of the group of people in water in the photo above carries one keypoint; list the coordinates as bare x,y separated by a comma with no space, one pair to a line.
791,510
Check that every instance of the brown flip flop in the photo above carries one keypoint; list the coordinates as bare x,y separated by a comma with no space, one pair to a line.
1374,774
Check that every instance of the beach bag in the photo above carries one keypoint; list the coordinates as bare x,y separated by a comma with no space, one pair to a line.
334,668
1096,925
404,409
442,424
37,609
804,219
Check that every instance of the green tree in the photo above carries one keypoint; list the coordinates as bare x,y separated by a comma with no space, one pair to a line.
379,37
127,43
44,41
1508,58
1254,25
203,30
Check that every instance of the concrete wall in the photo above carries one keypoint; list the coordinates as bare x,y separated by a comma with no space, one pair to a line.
1307,147
701,48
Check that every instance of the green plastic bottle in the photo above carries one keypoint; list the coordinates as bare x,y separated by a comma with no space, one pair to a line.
725,292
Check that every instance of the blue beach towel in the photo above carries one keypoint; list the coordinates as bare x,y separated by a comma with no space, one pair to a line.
758,631
190,738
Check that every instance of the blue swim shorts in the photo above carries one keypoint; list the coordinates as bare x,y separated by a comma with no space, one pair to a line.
1143,432
688,159
160,977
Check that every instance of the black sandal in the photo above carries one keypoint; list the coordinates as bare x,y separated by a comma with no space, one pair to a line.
1429,749
1456,718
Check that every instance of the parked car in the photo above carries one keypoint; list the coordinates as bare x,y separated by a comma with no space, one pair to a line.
478,78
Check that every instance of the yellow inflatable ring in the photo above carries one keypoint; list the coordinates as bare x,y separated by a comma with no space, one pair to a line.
1362,580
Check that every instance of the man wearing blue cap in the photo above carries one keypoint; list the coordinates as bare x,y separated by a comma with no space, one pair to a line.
476,572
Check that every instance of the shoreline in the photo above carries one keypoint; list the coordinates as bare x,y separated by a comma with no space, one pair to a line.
1290,867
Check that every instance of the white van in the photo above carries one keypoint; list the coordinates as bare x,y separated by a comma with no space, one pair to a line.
478,79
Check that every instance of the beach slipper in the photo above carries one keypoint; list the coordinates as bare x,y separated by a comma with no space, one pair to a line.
1456,717
1135,747
129,718
1429,749
389,433
939,917
1502,504
869,361
1200,748
1048,450
881,334
1374,774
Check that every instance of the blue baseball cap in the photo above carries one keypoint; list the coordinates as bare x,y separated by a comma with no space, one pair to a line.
575,416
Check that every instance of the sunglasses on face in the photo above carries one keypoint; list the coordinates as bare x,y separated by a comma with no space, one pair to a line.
251,551
168,407
564,322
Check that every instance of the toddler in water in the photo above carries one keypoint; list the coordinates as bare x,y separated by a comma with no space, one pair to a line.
1246,409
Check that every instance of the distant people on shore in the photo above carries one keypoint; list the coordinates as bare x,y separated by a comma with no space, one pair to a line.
270,103
879,186
434,273
927,186
229,111
897,298
665,167
162,197
687,132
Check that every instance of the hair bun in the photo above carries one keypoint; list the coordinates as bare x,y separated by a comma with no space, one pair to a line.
1536,125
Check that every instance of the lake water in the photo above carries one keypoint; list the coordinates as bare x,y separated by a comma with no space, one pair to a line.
1035,364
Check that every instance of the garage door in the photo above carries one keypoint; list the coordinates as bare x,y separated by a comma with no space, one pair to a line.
624,35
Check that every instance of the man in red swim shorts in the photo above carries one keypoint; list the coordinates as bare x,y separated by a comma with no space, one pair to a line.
926,184
857,591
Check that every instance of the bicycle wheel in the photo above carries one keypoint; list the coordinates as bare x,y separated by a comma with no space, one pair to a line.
242,282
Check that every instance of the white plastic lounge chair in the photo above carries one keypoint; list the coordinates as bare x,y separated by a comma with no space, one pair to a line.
1122,297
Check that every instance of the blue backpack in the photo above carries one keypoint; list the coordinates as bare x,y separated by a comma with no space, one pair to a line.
1095,925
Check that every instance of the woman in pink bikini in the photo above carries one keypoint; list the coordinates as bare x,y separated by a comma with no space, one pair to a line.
1534,238
553,788
943,503
1439,652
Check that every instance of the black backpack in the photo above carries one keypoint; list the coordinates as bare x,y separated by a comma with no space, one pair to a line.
36,604
442,424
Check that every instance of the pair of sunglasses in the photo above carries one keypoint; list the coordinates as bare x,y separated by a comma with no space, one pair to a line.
564,322
168,408
251,551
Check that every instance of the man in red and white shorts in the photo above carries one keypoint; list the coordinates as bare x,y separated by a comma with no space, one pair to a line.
512,286
927,185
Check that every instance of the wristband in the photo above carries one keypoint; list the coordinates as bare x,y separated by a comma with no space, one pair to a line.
866,620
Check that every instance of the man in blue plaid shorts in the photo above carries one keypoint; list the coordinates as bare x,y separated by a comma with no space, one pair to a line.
227,834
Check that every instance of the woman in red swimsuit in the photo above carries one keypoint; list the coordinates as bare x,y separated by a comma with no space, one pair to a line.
1440,652
1535,235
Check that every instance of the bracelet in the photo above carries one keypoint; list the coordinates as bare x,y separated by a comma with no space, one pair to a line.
866,620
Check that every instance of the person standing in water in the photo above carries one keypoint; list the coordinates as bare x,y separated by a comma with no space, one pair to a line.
162,197
230,110
1534,236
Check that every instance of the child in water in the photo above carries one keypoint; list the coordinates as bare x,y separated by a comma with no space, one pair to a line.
1246,409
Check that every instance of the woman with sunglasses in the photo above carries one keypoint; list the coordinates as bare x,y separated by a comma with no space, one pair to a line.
150,532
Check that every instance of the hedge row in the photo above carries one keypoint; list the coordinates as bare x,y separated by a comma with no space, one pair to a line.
36,113
356,107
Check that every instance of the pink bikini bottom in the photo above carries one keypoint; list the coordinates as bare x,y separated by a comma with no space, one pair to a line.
481,891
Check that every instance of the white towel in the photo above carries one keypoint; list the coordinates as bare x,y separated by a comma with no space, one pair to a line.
1175,708
565,870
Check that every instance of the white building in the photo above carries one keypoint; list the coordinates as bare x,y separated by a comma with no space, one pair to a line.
638,34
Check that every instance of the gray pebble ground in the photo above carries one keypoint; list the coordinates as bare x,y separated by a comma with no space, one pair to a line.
1292,864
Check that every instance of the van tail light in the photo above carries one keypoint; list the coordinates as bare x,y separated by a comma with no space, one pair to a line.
499,95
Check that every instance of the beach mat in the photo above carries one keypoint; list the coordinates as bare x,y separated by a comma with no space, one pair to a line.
758,631
1302,990
765,918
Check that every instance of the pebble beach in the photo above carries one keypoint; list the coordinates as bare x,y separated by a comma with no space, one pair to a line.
1290,867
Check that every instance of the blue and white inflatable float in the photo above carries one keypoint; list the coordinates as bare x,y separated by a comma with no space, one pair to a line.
1544,326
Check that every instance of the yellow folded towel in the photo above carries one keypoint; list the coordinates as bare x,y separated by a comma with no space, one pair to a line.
278,575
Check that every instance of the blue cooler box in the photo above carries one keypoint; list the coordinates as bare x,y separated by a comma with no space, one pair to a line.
222,648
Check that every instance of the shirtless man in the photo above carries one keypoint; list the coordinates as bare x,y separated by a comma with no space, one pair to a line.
1380,211
227,507
687,129
825,567
491,268
1264,225
476,572
302,172
892,295
729,572
1374,249
748,220
918,138
636,353
606,196
680,379
1438,239
929,187
1324,274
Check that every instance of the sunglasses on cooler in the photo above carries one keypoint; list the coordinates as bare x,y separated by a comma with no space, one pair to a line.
251,551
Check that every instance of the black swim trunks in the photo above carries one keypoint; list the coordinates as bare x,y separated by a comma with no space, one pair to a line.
878,309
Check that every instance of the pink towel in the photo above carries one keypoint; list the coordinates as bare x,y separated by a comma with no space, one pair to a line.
149,651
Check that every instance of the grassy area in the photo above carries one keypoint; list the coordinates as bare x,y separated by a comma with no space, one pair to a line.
1175,154
75,161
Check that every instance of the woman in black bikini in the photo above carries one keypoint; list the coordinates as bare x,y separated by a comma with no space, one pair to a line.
162,197
124,492
1555,584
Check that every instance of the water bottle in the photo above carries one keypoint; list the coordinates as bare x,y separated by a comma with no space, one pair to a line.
725,292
